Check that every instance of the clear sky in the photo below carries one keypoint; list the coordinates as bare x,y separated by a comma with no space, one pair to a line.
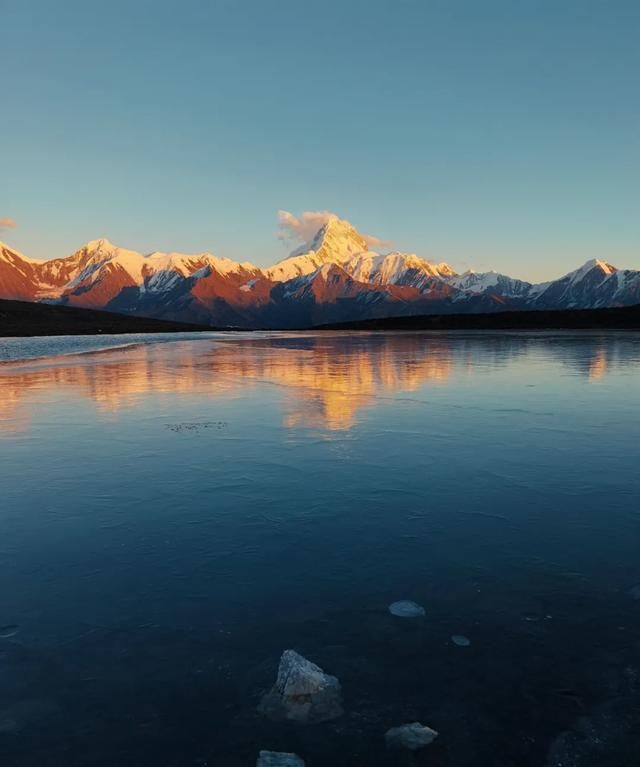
489,133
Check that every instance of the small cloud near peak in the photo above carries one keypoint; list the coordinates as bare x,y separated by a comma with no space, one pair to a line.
304,227
7,223
376,242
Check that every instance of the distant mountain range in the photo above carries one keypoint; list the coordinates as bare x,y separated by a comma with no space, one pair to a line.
334,278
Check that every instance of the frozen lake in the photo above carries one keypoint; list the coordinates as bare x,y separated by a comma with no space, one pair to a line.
177,512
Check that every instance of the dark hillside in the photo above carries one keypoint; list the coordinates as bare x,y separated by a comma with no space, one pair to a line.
22,318
622,318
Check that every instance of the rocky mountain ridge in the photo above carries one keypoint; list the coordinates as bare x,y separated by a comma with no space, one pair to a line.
333,278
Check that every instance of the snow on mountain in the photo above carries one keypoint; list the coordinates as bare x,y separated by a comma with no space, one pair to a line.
592,285
98,252
335,243
12,256
331,294
338,242
155,269
601,268
333,277
395,269
186,264
18,275
485,282
624,287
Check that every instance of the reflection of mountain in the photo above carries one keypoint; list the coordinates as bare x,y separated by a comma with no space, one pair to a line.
326,379
598,367
112,379
594,356
333,377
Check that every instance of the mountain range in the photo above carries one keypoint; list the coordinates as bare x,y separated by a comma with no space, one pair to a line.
333,278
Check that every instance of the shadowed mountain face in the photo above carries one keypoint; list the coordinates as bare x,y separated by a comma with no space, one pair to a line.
333,278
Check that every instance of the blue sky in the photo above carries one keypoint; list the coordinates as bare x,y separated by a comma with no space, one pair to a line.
498,134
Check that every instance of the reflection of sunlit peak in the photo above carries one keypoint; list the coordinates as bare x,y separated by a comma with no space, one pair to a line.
336,380
598,366
334,412
325,379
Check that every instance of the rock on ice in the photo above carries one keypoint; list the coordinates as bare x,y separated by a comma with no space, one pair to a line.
302,692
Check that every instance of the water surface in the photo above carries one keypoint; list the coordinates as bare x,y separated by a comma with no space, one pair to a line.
174,515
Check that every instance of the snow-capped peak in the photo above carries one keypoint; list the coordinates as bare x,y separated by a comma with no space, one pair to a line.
7,253
185,262
157,266
101,244
603,267
332,232
102,249
335,242
339,242
91,257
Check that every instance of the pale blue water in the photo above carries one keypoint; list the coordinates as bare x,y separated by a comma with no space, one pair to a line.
15,349
174,515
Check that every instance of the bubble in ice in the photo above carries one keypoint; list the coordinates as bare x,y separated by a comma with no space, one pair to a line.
405,608
279,759
410,736
460,640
